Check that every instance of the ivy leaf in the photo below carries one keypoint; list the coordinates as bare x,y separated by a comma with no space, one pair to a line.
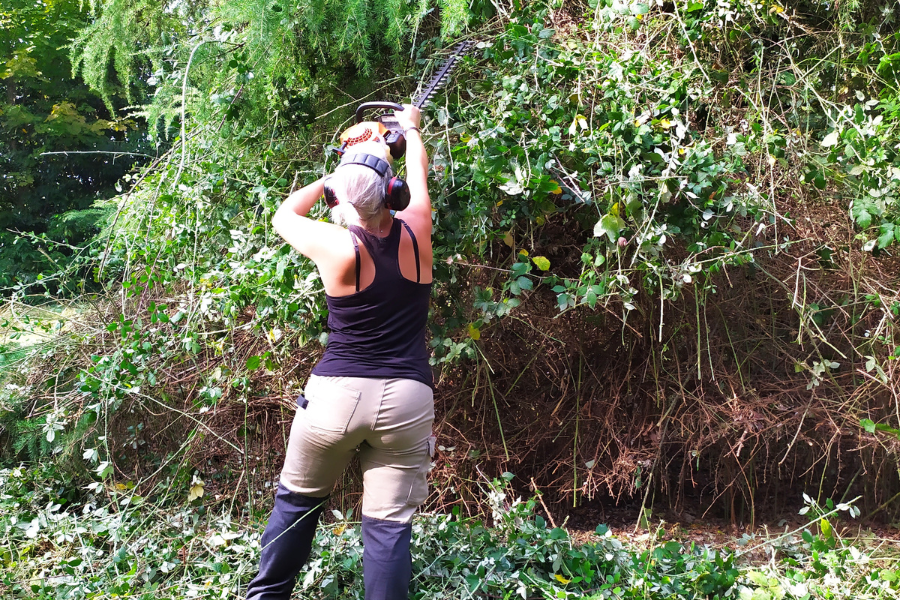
611,225
512,187
541,263
861,214
639,9
578,121
549,186
104,469
825,526
831,139
819,182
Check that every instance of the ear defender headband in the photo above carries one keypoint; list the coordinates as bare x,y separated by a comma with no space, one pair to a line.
396,192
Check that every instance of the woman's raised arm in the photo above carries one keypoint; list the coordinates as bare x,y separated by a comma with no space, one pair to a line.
308,237
418,213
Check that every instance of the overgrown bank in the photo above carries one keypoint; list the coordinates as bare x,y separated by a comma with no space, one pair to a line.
665,264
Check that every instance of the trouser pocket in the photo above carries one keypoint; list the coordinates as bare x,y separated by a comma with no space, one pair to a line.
330,404
418,490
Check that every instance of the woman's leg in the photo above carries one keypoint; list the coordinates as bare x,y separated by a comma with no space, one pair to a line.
387,565
319,449
285,544
395,462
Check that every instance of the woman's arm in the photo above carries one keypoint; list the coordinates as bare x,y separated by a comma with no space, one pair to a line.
418,213
308,237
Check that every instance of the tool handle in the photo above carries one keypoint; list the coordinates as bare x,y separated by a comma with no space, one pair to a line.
370,105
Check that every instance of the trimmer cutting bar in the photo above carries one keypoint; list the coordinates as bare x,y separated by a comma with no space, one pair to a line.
438,81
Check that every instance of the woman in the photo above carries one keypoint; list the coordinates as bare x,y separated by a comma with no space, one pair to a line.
371,393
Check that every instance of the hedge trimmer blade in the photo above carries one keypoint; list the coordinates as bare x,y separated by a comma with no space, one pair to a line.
443,75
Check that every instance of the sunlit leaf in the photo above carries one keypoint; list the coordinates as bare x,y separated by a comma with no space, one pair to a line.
831,139
196,491
610,225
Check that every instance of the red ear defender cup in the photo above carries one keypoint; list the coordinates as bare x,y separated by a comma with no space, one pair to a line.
396,194
330,197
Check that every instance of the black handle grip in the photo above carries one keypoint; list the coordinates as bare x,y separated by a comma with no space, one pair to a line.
370,105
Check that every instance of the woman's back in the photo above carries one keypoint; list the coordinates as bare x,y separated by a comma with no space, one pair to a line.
379,331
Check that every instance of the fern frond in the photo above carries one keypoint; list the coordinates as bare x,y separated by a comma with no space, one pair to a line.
454,17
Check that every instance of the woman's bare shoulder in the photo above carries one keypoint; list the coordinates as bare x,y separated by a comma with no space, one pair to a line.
420,224
320,241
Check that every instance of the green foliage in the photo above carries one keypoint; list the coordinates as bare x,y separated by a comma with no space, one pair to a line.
108,538
117,38
836,94
819,563
45,110
625,156
136,546
600,143
619,149
247,58
571,158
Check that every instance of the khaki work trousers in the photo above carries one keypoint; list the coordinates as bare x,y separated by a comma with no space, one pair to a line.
387,421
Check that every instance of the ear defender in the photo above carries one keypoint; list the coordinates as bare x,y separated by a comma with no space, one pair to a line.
396,192
330,197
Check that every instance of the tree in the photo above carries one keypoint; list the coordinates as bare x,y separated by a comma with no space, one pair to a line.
44,109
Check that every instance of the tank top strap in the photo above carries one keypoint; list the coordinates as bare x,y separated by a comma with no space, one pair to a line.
353,237
415,244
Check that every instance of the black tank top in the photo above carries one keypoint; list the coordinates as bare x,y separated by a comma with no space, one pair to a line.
379,332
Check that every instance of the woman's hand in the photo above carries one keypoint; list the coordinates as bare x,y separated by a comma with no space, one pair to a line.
411,116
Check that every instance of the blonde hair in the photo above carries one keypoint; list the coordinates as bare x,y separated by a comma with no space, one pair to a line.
360,189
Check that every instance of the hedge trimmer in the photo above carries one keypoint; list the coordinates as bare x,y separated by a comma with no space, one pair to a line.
386,125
